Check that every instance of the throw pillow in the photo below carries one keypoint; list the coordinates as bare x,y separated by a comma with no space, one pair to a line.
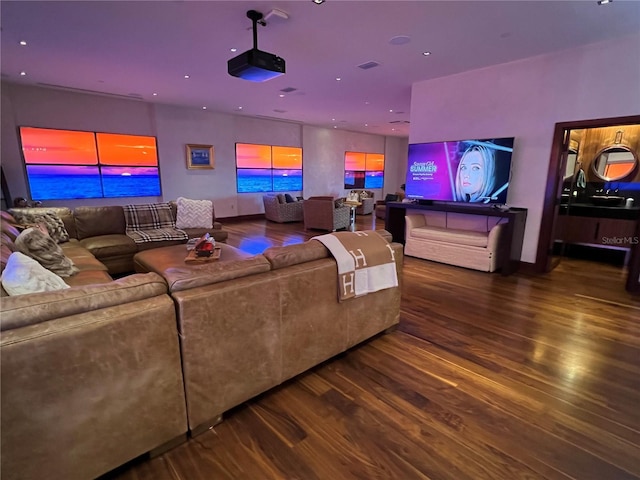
289,198
339,202
54,224
194,213
24,275
43,249
281,198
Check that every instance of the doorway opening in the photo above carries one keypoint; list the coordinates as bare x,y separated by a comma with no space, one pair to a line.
593,170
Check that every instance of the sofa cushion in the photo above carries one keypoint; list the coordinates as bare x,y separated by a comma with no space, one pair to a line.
88,277
43,249
96,221
109,245
450,235
194,213
23,275
50,219
82,257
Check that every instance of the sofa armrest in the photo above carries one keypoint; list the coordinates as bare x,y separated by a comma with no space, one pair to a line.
415,221
495,235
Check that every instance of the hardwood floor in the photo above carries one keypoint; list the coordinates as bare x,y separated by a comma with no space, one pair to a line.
486,377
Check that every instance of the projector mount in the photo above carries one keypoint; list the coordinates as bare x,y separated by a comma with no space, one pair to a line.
256,18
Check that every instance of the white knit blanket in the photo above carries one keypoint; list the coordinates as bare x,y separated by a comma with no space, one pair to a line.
365,261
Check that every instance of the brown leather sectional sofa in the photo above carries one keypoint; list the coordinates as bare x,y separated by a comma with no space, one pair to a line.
101,230
98,374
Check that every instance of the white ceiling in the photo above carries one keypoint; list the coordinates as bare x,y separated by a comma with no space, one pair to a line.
136,48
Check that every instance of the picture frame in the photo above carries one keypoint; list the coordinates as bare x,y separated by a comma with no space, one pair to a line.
200,157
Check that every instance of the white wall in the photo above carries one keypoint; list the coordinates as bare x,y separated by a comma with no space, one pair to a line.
525,99
174,127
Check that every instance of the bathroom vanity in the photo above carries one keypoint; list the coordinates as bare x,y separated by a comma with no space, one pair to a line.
598,226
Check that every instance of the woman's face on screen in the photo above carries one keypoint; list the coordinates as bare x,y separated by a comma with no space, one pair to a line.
471,172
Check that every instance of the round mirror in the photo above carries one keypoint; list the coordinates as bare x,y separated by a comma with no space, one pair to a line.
615,163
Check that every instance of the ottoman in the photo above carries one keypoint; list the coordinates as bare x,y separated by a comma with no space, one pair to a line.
158,260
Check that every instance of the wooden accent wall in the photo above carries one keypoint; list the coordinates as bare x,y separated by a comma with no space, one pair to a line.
595,139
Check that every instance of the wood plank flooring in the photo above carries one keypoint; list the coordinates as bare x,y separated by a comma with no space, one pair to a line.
486,377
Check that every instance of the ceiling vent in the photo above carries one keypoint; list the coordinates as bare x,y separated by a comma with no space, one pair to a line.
368,65
403,122
134,96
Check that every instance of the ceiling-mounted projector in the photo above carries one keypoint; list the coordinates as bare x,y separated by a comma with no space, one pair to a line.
256,65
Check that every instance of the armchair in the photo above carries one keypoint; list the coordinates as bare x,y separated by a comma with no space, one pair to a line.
381,205
281,212
322,213
366,197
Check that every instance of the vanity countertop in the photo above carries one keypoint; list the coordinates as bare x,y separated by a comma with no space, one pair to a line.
589,210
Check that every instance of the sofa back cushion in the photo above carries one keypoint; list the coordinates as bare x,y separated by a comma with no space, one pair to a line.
63,213
474,223
289,255
434,219
23,310
95,221
185,278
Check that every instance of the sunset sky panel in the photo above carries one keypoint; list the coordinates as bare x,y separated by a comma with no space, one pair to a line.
42,145
114,149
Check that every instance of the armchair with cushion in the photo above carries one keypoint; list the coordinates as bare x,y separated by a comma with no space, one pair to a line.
366,197
381,205
322,213
280,211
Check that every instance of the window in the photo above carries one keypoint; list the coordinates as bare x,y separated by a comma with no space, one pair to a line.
67,164
363,170
266,168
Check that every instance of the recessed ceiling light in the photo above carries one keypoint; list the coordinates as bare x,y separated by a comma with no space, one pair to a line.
22,74
391,111
204,108
282,95
23,43
318,2
604,2
187,76
154,94
234,49
366,124
338,78
239,108
426,54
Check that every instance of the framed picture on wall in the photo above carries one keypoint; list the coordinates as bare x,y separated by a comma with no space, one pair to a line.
200,156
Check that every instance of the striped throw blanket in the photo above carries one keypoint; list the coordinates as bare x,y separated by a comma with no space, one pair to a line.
151,222
365,261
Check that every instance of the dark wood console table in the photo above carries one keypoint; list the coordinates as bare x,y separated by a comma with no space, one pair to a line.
514,232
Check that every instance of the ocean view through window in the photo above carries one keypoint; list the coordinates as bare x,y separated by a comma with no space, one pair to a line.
268,168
